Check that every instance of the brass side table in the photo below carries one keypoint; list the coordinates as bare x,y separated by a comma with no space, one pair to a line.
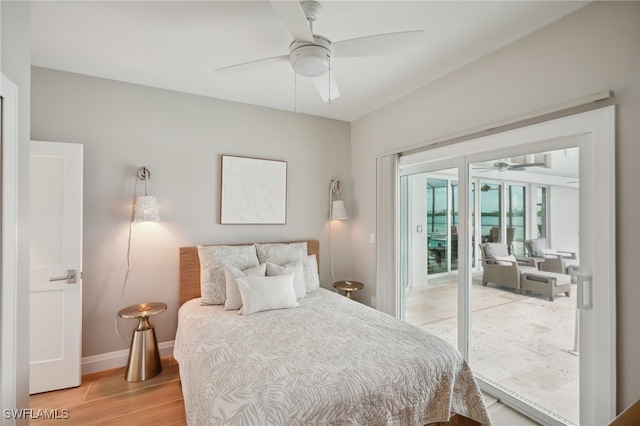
348,287
144,357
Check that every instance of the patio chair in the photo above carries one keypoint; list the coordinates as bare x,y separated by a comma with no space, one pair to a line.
500,268
560,262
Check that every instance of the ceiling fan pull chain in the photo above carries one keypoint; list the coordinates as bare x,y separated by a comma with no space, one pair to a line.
329,80
295,93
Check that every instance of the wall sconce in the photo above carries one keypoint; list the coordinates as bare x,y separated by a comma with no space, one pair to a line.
145,208
337,210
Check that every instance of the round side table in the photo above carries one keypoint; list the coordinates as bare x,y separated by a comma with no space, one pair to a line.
348,287
144,358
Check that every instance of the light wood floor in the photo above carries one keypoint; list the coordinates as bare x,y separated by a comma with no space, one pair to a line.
106,398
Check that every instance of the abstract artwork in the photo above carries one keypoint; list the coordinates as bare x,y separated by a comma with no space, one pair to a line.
253,191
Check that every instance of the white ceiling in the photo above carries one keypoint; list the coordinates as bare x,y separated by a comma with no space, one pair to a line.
178,45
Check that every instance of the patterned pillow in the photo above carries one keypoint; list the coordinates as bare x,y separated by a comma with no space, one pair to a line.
234,299
281,253
311,278
266,293
213,260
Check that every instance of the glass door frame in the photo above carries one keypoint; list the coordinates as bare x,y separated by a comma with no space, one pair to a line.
594,132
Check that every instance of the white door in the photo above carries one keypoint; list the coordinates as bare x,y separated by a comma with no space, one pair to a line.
8,250
56,265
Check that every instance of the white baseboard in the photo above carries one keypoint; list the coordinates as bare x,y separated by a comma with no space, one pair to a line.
111,360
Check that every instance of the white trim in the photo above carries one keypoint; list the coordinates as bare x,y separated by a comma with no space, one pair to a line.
8,287
388,291
117,359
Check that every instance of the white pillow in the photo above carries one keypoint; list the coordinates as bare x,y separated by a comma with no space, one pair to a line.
298,275
281,253
213,260
267,293
234,299
503,260
311,278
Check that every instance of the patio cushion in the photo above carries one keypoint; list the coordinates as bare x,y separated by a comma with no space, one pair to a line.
505,260
561,279
532,270
571,262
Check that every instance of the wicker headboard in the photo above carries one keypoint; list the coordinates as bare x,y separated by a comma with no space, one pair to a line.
190,269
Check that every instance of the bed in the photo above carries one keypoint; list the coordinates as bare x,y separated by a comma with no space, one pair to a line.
331,360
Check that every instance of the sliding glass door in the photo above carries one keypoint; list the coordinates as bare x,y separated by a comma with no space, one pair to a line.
522,336
472,277
429,237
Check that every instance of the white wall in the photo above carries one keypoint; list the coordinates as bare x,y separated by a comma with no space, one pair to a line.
180,138
593,49
14,64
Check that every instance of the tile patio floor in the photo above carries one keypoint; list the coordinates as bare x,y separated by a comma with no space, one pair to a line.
519,341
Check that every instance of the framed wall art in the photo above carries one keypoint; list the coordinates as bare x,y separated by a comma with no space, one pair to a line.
253,191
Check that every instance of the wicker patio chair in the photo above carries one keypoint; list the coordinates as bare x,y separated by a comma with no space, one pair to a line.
500,268
560,262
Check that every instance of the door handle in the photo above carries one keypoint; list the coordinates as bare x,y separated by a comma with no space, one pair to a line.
585,291
71,277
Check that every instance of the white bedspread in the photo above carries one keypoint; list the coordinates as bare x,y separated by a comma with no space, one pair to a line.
330,361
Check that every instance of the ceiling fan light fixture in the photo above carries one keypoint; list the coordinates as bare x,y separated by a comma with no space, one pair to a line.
501,166
309,64
311,60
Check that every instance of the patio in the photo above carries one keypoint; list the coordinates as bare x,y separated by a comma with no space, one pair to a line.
519,341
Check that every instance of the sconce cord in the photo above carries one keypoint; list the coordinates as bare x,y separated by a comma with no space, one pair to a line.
126,275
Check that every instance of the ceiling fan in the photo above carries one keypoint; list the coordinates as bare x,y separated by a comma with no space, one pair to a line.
502,166
311,54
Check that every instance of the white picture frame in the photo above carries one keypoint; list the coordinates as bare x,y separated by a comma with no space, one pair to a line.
253,191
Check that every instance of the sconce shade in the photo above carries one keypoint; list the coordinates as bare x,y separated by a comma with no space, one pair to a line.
146,209
338,210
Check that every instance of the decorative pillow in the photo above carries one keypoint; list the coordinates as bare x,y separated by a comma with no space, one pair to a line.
281,253
267,293
311,278
493,250
298,275
538,246
213,260
234,299
505,260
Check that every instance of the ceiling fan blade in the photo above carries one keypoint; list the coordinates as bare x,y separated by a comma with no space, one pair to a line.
381,44
525,165
247,66
294,19
326,85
